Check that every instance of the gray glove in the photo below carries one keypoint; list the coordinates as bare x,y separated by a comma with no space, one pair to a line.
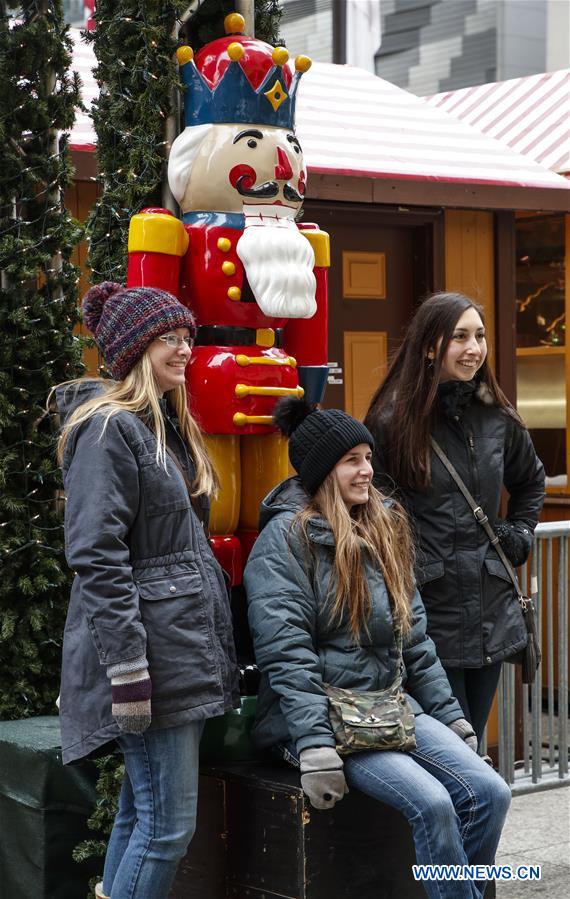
131,690
465,732
322,777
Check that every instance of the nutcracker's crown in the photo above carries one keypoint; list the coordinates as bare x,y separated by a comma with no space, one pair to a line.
240,79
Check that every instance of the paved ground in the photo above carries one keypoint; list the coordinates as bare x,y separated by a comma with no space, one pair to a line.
537,832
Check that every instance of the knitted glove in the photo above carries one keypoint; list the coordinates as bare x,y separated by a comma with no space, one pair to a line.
131,691
465,732
516,541
322,777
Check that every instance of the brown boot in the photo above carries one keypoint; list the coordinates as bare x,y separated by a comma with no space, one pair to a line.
99,894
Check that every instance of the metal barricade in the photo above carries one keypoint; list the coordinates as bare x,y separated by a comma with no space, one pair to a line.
543,762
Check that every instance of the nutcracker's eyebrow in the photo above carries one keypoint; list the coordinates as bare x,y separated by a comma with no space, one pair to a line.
252,132
293,140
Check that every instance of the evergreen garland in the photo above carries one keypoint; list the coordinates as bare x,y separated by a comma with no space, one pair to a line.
267,17
134,44
207,23
38,300
110,777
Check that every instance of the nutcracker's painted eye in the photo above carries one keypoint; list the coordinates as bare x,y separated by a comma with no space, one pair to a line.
252,143
294,143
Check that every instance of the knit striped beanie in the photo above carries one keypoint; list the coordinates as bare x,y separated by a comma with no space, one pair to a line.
125,320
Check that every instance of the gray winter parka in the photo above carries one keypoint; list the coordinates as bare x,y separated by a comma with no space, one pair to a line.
146,581
473,617
297,647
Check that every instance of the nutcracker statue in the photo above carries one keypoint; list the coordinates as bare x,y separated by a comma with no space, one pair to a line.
255,279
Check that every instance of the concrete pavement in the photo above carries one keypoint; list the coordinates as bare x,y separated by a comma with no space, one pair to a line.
537,832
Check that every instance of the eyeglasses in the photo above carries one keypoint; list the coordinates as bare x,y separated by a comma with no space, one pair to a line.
174,341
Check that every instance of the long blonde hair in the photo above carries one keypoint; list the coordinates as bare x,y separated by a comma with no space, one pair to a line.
375,529
138,393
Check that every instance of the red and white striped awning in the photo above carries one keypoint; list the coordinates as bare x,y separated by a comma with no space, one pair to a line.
530,115
351,122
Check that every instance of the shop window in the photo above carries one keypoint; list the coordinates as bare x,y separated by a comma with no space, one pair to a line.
543,357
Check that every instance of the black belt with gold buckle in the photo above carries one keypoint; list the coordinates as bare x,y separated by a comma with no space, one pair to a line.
222,335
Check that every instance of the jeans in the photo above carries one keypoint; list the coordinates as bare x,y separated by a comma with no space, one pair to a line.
455,804
156,817
474,689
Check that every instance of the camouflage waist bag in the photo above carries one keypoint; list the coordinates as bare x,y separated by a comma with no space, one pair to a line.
378,719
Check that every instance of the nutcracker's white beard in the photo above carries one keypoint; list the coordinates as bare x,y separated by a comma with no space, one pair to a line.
278,263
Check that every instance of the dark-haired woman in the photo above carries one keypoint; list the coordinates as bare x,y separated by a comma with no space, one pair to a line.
440,385
332,602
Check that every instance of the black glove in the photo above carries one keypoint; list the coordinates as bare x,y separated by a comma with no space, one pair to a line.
516,541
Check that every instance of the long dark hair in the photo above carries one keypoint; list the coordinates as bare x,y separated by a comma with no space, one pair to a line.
409,390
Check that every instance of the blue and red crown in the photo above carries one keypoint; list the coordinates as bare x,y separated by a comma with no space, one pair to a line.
240,79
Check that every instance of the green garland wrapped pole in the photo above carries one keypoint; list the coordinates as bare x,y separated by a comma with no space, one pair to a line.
134,44
38,311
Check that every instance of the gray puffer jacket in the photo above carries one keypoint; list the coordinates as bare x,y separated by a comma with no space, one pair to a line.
297,647
146,581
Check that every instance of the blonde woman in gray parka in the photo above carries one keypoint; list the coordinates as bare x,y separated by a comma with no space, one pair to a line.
331,601
148,650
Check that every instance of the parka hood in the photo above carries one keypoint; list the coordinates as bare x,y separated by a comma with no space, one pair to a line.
288,496
70,396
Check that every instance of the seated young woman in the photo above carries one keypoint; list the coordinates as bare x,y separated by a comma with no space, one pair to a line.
332,601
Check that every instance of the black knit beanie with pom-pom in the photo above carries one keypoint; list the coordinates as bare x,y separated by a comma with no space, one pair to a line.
318,438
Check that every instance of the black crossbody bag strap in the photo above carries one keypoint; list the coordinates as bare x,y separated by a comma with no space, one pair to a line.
480,517
530,656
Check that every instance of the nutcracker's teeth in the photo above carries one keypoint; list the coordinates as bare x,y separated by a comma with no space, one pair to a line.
269,213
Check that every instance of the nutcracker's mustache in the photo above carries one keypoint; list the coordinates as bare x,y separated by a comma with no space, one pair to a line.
267,190
291,194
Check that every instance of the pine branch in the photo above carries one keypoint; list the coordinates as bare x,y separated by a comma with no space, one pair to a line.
138,77
38,311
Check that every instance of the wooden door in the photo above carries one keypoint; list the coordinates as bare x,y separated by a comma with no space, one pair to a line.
382,263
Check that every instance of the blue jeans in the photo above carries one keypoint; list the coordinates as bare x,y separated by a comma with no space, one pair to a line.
156,818
454,802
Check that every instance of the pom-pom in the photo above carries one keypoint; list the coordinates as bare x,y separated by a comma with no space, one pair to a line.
290,412
516,541
94,300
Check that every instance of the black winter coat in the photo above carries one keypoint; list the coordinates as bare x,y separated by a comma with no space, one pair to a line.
146,581
472,615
